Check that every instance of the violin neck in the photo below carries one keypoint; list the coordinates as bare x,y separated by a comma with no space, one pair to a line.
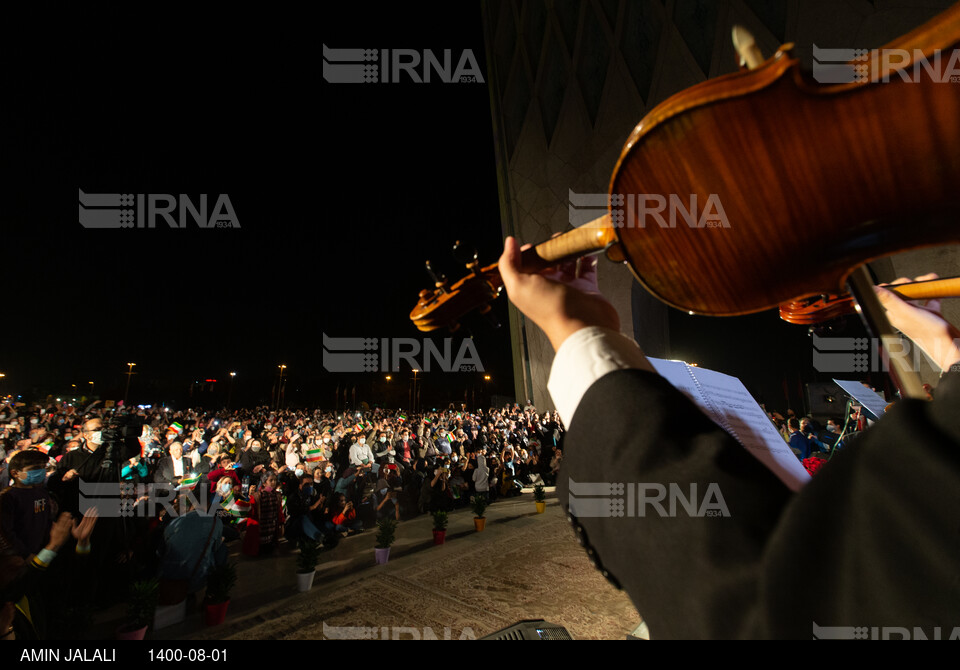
590,238
928,290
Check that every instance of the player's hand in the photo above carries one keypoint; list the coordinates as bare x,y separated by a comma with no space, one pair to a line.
560,301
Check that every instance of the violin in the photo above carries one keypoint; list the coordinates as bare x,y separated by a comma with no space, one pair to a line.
817,309
721,190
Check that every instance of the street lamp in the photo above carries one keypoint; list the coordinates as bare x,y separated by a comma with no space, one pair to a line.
230,392
129,374
413,399
280,386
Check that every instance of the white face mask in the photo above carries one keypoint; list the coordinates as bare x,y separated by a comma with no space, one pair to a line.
361,441
383,439
326,440
96,437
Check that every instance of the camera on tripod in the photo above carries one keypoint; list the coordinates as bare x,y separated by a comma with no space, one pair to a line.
120,435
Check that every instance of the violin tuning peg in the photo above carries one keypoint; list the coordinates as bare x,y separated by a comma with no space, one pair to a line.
464,253
439,281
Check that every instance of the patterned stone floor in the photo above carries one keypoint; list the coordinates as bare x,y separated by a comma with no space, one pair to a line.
522,566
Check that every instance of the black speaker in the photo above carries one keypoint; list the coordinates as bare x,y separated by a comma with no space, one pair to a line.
531,629
825,400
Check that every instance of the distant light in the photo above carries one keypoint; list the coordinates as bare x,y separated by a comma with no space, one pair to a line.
690,313
486,377
233,374
210,380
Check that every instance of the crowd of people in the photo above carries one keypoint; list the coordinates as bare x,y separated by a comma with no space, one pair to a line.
814,442
188,482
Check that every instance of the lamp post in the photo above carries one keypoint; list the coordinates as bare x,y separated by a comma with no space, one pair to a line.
129,374
280,385
414,397
230,391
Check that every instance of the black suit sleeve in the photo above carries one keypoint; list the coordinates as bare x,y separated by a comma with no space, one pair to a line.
872,540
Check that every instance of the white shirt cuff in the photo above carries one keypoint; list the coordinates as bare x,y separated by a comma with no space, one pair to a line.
585,357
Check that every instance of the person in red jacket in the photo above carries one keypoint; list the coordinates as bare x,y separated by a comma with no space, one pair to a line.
344,517
224,469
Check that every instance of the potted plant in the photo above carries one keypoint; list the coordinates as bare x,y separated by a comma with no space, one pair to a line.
219,584
385,536
540,498
307,563
439,527
479,506
141,604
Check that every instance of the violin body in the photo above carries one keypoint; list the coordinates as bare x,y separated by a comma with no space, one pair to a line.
764,186
813,180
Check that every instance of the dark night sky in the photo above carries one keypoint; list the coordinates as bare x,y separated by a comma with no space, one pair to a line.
341,191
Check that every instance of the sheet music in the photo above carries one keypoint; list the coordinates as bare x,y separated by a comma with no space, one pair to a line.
729,404
872,401
678,374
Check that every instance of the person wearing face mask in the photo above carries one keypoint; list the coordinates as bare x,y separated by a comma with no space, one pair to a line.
328,445
254,459
361,456
384,448
323,478
268,513
405,448
230,506
302,504
78,464
292,450
223,469
26,509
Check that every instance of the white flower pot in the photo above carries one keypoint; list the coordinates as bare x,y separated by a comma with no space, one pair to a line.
305,581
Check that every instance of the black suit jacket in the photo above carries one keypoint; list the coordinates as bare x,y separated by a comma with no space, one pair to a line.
164,473
871,541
